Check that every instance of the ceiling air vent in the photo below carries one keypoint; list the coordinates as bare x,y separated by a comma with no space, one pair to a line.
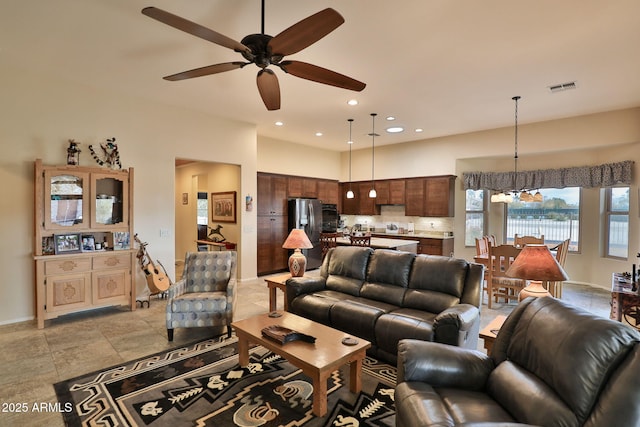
562,86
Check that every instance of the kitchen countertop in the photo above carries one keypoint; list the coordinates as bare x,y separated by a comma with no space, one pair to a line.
382,242
416,234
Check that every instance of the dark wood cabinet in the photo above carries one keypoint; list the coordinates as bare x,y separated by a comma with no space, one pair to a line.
414,196
431,246
396,192
349,206
382,188
439,196
328,191
272,232
366,205
294,186
272,194
310,188
430,196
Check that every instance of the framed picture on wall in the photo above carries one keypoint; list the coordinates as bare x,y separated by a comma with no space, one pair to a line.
67,243
223,207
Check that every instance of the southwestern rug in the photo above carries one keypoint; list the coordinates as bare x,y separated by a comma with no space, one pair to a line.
203,385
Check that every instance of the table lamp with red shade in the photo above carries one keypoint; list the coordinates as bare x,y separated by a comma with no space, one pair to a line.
297,240
537,264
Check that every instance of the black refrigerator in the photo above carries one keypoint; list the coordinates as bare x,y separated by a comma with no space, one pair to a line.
307,215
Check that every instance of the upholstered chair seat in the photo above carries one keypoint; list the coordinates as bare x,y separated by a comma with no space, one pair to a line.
206,294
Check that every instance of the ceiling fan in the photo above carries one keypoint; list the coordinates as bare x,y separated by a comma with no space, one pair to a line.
264,50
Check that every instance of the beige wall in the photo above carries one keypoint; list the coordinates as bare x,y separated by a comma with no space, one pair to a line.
294,159
40,113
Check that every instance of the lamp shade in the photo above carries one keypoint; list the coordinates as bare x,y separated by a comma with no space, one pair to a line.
536,262
297,239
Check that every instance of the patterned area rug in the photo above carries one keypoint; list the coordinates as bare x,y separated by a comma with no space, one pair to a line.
203,385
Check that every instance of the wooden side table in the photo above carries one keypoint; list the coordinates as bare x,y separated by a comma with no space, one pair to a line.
490,332
277,282
625,301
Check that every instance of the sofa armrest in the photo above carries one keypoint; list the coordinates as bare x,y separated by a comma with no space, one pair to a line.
177,289
303,285
457,325
441,365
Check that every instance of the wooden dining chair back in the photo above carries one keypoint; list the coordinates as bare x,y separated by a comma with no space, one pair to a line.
328,241
360,240
498,283
555,288
521,241
482,246
491,239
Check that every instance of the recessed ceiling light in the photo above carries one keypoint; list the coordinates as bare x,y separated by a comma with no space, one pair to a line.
352,102
390,118
279,123
395,129
419,130
349,142
318,133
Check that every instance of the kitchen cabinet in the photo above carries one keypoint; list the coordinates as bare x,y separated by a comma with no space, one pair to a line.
328,191
390,192
366,205
72,204
309,188
430,196
272,194
349,206
272,232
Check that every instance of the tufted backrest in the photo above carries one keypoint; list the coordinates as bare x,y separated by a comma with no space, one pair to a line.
562,358
388,276
209,271
346,268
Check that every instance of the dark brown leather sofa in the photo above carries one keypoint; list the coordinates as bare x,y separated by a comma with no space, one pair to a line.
551,365
384,296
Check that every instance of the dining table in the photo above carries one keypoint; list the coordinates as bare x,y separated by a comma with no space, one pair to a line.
484,258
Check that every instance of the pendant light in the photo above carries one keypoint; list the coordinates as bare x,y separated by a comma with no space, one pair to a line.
350,194
372,192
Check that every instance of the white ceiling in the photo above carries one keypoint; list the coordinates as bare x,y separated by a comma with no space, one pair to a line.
448,66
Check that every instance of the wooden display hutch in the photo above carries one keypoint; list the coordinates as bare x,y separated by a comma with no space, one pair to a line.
77,210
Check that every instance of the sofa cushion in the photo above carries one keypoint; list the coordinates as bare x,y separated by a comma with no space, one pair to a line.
439,274
347,269
403,323
316,306
388,276
357,318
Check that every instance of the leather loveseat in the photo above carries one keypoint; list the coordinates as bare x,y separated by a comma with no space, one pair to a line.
551,365
384,296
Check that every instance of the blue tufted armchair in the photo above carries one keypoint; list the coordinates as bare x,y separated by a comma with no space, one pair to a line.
206,294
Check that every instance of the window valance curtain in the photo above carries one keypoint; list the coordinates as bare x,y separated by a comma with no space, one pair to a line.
605,175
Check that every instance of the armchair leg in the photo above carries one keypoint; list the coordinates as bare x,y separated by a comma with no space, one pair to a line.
228,331
170,334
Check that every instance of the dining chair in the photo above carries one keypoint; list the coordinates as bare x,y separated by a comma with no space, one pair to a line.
491,239
498,284
482,246
555,288
328,241
528,240
360,240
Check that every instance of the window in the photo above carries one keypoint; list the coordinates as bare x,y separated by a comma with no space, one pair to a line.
203,209
474,216
557,217
617,226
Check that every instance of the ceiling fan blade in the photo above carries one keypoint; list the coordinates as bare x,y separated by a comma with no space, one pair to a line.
321,75
269,89
306,32
193,28
205,71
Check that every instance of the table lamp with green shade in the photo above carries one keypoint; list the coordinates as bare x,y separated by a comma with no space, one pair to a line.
537,264
297,240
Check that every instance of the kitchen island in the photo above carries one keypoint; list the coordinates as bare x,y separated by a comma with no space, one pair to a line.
386,243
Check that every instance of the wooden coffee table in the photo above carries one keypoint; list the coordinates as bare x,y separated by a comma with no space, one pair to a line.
317,360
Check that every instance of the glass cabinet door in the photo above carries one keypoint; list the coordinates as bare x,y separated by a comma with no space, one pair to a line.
65,200
111,198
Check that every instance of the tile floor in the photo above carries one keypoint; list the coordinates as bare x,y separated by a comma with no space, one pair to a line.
32,359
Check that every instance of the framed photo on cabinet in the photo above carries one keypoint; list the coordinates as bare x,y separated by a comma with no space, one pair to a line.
67,243
88,243
223,207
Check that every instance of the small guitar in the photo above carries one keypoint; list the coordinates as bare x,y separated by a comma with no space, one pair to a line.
157,279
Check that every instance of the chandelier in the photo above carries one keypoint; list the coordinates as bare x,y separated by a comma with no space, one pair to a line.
525,195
